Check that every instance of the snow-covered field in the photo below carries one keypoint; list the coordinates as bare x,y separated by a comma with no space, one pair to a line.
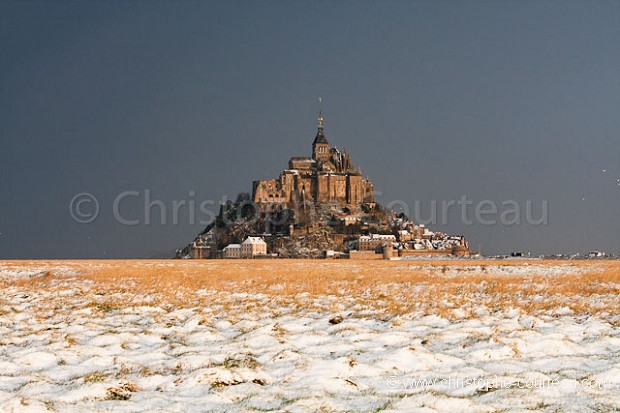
309,336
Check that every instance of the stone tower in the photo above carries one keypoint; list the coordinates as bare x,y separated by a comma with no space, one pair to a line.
320,146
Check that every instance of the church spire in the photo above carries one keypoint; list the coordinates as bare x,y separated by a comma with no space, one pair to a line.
320,137
320,113
320,146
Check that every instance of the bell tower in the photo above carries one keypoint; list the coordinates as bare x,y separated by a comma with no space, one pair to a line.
320,146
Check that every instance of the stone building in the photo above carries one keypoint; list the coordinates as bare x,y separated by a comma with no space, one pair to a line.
327,176
372,241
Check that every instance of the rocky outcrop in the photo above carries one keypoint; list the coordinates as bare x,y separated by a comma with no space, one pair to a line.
312,245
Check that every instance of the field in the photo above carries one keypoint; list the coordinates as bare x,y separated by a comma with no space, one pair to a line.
308,336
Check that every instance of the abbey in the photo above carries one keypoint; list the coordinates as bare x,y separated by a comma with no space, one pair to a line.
326,177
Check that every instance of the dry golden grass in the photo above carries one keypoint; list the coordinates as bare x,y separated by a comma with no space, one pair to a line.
395,287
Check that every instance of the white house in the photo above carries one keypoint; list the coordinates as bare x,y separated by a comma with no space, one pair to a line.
252,247
232,251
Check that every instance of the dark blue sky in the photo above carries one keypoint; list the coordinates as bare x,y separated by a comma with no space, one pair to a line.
503,103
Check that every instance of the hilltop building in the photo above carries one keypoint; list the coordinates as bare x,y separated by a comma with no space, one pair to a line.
372,241
327,176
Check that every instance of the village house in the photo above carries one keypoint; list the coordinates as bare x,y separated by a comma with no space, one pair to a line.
232,251
252,247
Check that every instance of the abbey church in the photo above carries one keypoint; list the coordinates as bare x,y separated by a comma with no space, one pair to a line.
326,177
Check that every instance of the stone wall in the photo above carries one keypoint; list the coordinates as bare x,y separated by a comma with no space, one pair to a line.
365,255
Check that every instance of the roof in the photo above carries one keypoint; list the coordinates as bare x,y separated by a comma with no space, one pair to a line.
253,240
320,137
232,246
296,160
376,237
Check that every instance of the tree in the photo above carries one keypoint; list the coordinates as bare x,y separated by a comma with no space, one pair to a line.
242,197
